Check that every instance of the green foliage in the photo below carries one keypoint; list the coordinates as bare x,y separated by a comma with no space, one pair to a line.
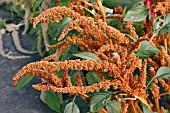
35,30
139,26
132,4
20,10
2,24
131,37
113,107
56,28
106,75
146,50
53,101
161,24
112,22
163,72
112,3
99,100
87,56
25,80
92,78
71,108
64,2
61,25
8,7
146,109
36,4
72,74
59,73
82,104
68,54
136,13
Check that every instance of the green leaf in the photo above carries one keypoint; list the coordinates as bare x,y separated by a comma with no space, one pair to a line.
64,2
161,24
72,74
166,111
63,24
113,3
25,80
71,108
8,7
59,73
150,85
131,37
113,107
87,56
146,109
163,72
56,28
34,30
36,4
139,26
136,13
112,22
73,49
53,101
2,24
133,3
146,50
165,29
82,104
99,100
91,1
92,78
143,100
106,75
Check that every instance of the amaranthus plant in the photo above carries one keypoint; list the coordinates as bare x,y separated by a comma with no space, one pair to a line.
115,63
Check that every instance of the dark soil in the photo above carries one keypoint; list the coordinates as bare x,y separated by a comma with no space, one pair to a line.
27,99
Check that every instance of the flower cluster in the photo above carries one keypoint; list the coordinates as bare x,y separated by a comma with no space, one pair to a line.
106,48
115,50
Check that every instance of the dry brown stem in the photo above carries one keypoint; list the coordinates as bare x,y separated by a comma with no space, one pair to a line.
27,4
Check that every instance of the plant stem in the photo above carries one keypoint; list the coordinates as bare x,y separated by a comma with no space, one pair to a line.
152,37
165,43
44,26
103,111
157,105
148,84
164,94
136,105
61,98
168,39
133,108
84,95
102,10
168,107
89,11
89,4
74,97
